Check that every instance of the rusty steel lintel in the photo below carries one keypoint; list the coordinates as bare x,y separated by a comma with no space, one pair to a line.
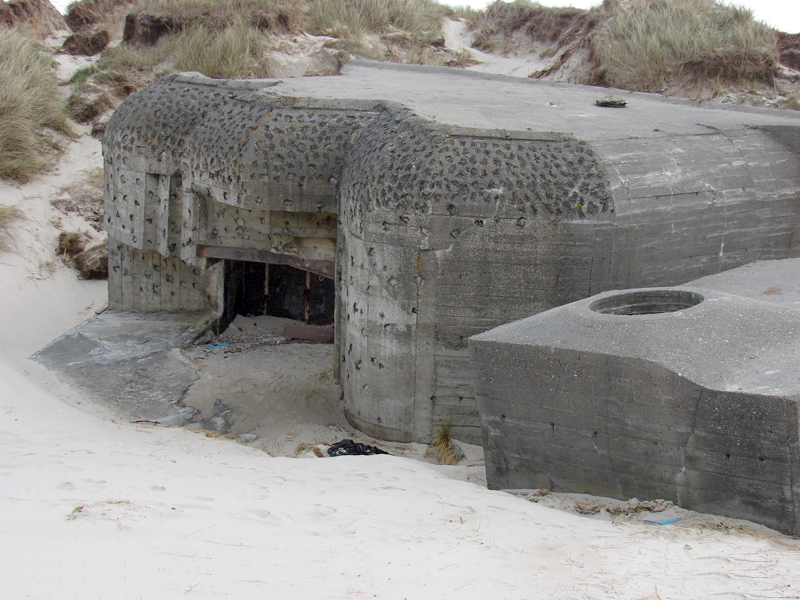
303,331
318,267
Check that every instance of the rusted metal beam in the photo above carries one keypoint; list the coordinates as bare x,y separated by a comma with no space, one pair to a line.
319,267
303,331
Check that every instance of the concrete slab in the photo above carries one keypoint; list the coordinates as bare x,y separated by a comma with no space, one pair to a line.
486,101
130,362
117,335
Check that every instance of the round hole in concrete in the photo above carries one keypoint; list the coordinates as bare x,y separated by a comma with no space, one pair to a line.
646,302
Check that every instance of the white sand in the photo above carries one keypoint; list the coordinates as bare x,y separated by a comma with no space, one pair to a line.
92,508
517,57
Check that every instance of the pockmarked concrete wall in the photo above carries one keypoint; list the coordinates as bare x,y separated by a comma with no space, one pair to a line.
689,394
449,202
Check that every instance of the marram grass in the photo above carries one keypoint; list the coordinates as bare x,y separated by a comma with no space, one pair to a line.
30,104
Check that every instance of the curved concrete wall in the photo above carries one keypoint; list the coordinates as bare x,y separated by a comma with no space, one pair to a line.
447,232
443,231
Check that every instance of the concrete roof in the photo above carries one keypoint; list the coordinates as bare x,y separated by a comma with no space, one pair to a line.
730,341
468,99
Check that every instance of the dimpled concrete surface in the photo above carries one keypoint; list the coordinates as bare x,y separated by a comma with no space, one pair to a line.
449,202
688,394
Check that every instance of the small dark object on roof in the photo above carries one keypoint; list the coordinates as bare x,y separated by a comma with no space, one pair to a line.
351,448
611,101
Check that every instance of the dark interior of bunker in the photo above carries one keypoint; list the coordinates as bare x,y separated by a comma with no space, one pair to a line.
254,289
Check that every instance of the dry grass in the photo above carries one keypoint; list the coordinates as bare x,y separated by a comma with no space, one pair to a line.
304,447
644,45
219,39
462,11
8,215
265,15
541,23
790,103
87,13
441,447
31,106
352,19
238,50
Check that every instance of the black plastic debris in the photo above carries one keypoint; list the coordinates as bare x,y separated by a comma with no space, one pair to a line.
351,448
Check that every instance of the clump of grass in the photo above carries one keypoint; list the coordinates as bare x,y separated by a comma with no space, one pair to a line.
81,76
218,39
538,22
127,67
441,446
30,105
644,44
790,103
86,13
8,214
266,15
237,51
421,19
462,11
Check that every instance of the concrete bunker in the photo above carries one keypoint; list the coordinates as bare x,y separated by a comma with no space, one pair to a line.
697,403
451,205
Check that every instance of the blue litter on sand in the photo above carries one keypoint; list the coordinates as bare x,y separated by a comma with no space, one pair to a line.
218,345
660,521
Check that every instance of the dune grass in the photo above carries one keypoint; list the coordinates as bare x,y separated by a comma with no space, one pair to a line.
221,39
236,51
8,214
90,12
507,18
643,45
30,106
352,19
441,446
266,15
646,44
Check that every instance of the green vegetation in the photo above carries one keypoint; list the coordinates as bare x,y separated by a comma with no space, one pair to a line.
352,19
791,103
644,45
539,22
236,51
80,77
441,446
266,15
31,107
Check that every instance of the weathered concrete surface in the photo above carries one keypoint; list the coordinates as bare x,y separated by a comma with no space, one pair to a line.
451,203
698,405
131,362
